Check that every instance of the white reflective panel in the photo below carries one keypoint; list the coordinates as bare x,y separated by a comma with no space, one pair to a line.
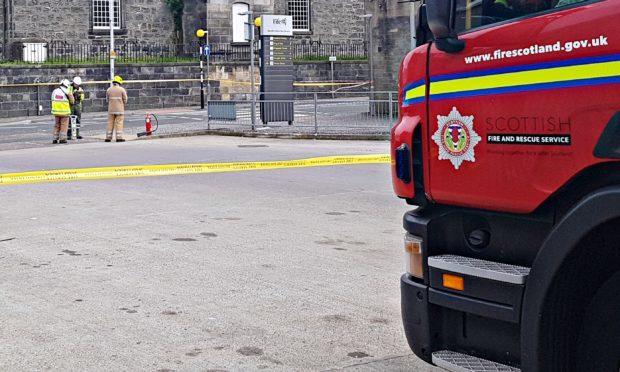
238,22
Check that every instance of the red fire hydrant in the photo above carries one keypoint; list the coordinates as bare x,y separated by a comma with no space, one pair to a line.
148,126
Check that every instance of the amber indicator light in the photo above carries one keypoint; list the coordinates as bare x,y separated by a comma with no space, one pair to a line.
453,282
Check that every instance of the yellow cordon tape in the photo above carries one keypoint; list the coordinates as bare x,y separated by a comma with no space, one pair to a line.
62,175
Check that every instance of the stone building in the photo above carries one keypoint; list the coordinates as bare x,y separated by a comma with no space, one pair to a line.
78,21
152,21
313,20
392,39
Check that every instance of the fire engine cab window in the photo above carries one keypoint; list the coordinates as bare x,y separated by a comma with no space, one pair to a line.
475,13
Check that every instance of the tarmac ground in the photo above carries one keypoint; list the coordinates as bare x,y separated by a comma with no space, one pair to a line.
291,269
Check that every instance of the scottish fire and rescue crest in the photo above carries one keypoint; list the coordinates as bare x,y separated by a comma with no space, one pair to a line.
456,138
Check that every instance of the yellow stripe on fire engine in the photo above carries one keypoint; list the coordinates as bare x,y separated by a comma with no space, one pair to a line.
63,175
522,78
416,92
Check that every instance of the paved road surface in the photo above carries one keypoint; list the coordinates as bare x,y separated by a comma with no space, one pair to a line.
341,116
279,270
37,131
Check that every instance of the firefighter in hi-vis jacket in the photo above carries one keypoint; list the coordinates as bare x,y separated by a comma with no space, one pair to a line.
76,108
62,99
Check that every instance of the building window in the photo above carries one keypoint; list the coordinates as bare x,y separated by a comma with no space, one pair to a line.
101,14
239,22
300,10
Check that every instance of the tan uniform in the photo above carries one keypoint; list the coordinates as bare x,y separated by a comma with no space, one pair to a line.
117,98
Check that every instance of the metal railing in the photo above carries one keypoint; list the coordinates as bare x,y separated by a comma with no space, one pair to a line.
328,113
310,114
62,52
314,51
350,115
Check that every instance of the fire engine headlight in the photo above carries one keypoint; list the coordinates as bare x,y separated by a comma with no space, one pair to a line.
413,256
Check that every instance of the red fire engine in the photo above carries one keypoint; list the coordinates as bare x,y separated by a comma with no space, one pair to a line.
508,141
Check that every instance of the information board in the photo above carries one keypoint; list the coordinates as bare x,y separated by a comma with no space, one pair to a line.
277,71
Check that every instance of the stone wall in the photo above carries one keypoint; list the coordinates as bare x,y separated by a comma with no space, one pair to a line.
22,100
146,21
228,81
332,22
150,21
2,34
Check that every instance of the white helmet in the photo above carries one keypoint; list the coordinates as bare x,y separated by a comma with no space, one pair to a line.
65,83
77,80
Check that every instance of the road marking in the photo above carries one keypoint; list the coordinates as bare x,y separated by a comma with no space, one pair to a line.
62,175
20,127
11,123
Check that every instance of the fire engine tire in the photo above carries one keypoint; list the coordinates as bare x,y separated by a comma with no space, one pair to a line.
599,340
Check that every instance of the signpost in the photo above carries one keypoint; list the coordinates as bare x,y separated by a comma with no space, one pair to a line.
276,66
249,36
332,59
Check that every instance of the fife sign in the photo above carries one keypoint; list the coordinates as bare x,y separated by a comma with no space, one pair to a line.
276,25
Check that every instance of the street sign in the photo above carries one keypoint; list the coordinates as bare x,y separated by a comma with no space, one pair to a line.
206,50
333,58
276,25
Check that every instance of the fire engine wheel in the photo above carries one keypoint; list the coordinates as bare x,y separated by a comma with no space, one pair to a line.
599,341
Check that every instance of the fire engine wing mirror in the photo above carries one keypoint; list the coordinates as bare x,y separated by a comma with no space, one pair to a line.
440,15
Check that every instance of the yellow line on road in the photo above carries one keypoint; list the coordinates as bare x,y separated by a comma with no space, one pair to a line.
63,175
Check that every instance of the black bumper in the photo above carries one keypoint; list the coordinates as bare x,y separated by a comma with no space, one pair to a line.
416,319
483,319
437,320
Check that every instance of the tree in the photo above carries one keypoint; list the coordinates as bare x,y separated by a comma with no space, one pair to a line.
176,8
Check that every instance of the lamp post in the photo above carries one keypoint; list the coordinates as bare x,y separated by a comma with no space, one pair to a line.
200,34
208,54
368,17
249,13
413,16
112,52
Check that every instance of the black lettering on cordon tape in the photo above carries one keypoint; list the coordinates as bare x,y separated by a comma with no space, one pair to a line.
529,139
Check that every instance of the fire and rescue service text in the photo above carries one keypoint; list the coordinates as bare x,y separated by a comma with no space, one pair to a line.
528,139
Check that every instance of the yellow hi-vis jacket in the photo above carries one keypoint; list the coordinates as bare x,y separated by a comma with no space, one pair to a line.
61,102
78,94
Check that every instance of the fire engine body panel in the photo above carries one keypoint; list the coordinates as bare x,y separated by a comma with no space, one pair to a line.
509,146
